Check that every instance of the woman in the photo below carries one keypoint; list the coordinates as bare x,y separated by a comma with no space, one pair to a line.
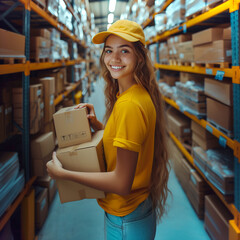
134,138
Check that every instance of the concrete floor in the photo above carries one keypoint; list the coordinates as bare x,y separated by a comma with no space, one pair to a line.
83,220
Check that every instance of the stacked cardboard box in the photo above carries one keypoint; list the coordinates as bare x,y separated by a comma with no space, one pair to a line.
212,46
179,125
49,107
216,218
5,113
40,44
219,104
36,107
201,137
78,151
42,148
11,44
192,183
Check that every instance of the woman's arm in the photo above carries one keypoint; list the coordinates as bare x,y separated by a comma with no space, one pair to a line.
119,181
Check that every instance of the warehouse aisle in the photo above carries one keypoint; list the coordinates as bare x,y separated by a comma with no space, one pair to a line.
83,220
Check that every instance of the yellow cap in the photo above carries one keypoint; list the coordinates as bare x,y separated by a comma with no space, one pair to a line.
128,30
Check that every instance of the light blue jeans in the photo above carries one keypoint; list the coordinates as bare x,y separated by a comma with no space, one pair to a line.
138,225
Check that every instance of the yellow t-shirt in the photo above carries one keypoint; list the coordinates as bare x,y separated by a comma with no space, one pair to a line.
130,126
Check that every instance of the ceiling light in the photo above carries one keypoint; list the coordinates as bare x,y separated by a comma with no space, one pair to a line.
110,17
112,5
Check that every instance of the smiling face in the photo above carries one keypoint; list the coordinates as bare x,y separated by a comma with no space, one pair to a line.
119,58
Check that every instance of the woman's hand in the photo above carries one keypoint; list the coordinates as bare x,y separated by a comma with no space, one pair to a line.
54,167
95,124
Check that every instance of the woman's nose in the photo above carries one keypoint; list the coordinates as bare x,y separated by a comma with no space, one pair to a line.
116,56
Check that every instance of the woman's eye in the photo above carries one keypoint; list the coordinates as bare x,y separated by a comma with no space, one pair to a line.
108,51
124,51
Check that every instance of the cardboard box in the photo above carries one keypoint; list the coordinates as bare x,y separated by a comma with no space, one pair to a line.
86,157
8,120
5,95
72,126
42,32
227,33
215,52
220,114
48,85
178,123
2,124
49,108
221,91
11,44
42,145
36,93
217,213
39,42
205,144
38,166
48,183
201,131
41,208
185,52
207,36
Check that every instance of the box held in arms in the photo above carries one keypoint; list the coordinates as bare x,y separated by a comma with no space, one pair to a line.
85,157
72,126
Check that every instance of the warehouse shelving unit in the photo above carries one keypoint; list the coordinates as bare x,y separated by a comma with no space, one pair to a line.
25,68
200,22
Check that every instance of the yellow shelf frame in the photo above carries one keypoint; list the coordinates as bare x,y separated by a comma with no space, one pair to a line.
189,157
230,143
228,72
192,22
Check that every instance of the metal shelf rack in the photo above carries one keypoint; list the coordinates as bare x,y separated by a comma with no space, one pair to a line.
25,69
231,8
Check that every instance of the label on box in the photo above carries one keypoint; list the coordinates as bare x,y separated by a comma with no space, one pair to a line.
187,130
229,53
181,55
39,91
209,128
52,100
73,136
222,141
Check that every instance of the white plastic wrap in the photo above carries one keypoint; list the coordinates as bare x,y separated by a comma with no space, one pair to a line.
194,6
160,22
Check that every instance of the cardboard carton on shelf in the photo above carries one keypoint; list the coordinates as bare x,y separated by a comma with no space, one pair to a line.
217,213
72,126
220,114
185,52
214,52
221,91
39,42
201,131
85,157
207,36
40,32
50,184
2,124
205,144
178,123
41,207
11,44
42,148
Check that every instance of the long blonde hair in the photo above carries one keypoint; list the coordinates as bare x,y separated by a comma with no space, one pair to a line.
144,75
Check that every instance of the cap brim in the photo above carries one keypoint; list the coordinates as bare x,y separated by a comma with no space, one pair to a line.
100,37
